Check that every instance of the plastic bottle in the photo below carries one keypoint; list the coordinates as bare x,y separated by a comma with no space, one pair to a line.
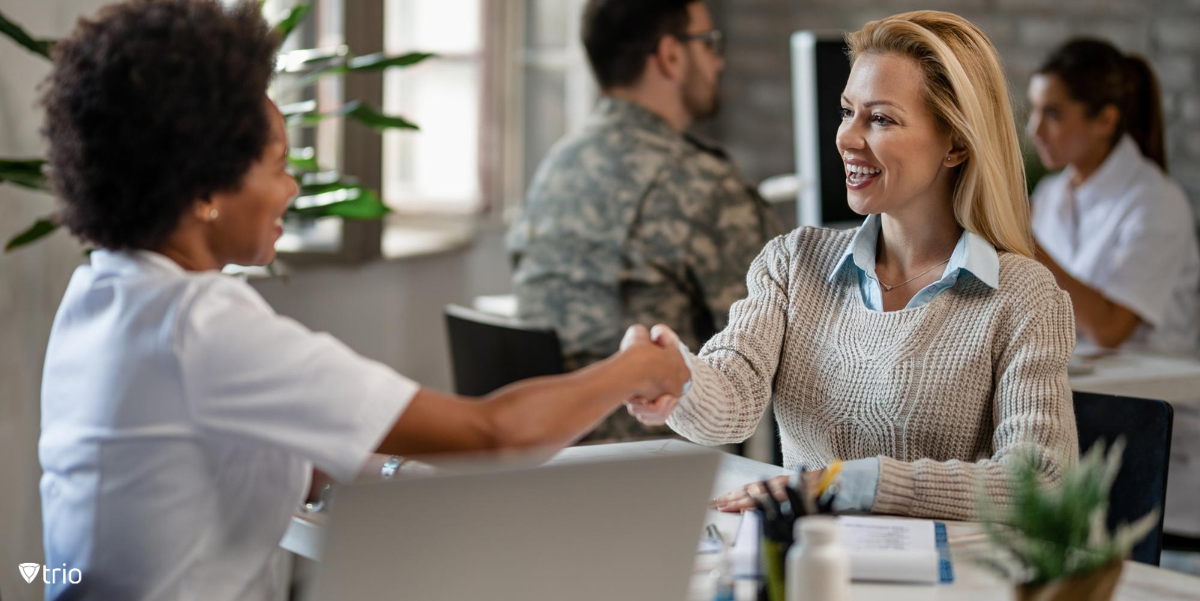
722,575
818,568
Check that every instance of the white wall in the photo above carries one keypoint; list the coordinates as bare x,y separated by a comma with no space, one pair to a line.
390,311
31,283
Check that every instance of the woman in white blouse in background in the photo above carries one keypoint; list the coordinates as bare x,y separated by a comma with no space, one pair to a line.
1117,233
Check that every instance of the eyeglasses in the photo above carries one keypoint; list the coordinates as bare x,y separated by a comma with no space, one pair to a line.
713,38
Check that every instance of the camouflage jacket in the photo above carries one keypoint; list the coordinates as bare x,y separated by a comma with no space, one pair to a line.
632,222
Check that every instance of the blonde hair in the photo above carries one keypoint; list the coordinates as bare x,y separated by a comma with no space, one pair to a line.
967,91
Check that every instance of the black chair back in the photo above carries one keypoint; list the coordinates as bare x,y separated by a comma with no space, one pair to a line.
488,351
1141,485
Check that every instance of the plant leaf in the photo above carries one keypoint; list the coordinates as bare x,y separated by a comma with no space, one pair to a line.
354,110
18,35
291,20
298,61
370,117
350,202
27,173
40,229
303,159
298,109
380,61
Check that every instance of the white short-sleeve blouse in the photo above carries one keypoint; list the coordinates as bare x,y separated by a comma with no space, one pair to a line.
180,420
1129,233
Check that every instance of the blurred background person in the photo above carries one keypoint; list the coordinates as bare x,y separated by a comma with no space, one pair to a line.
1118,234
634,220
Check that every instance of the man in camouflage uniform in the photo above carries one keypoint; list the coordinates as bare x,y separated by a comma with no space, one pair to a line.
633,220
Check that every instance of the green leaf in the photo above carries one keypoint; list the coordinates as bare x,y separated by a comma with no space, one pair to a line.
380,61
303,159
298,109
354,110
350,202
18,35
40,229
299,61
27,173
292,19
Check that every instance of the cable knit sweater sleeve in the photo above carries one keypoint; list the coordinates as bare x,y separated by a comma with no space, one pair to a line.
731,381
947,395
1033,413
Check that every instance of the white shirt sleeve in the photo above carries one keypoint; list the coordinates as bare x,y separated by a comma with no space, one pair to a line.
252,376
1148,260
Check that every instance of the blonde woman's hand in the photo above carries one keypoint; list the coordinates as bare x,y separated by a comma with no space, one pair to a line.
654,410
741,499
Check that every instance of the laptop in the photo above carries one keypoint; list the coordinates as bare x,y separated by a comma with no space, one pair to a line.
612,528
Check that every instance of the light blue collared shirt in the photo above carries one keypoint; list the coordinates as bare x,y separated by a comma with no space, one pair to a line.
860,477
972,254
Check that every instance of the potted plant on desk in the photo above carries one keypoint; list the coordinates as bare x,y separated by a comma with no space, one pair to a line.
1057,537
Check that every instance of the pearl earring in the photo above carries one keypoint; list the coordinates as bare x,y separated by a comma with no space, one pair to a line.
212,215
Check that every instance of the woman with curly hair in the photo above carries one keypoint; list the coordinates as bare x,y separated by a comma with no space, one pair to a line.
181,417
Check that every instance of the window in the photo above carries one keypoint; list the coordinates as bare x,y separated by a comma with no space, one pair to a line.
559,89
437,168
510,78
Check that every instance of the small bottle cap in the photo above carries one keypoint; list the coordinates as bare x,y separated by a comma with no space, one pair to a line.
817,529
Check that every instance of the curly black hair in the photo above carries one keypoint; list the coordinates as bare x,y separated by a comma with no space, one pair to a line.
151,105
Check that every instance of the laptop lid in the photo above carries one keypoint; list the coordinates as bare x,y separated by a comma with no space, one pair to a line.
621,528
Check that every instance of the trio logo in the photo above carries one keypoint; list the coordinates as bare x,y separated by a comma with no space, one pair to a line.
29,571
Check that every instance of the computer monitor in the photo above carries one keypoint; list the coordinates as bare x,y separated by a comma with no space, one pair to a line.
820,68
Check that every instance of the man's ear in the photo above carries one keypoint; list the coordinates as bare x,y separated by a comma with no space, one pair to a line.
957,155
669,58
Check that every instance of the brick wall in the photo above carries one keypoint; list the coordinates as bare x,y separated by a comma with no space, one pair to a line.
756,118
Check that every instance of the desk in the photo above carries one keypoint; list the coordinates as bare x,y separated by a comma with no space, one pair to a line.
1138,582
1175,379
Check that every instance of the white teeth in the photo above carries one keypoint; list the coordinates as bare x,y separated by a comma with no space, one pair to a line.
862,170
279,221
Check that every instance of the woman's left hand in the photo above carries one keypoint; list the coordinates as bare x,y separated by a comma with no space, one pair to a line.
741,499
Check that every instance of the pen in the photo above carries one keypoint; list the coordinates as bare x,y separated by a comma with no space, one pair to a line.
712,532
831,474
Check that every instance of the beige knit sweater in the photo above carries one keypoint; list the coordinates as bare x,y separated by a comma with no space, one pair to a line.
945,394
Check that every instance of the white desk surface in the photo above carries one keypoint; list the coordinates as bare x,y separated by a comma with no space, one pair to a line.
1171,378
1138,582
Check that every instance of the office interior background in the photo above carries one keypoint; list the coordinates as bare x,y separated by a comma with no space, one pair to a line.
510,79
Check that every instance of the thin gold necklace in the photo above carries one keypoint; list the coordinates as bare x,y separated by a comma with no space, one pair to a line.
887,288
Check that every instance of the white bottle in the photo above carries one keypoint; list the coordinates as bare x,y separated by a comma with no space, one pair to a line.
818,568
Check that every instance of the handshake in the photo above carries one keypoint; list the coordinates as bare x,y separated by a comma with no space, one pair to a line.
655,357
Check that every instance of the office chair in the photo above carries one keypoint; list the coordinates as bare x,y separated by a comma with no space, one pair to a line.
488,352
1141,485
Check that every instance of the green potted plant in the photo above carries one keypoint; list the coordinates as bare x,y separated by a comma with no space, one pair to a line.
323,192
1055,539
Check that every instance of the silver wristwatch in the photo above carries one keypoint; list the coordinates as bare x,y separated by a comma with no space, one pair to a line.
390,466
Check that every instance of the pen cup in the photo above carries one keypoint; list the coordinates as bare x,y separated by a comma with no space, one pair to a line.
773,554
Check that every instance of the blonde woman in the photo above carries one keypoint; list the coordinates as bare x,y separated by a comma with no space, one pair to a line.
927,348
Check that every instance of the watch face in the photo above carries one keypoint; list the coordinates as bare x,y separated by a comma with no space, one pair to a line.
390,466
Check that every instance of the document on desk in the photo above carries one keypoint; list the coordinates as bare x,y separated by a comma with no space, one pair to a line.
891,550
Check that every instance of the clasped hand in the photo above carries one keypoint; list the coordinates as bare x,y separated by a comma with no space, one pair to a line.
654,410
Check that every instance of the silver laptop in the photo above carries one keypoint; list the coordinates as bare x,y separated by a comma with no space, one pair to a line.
624,528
